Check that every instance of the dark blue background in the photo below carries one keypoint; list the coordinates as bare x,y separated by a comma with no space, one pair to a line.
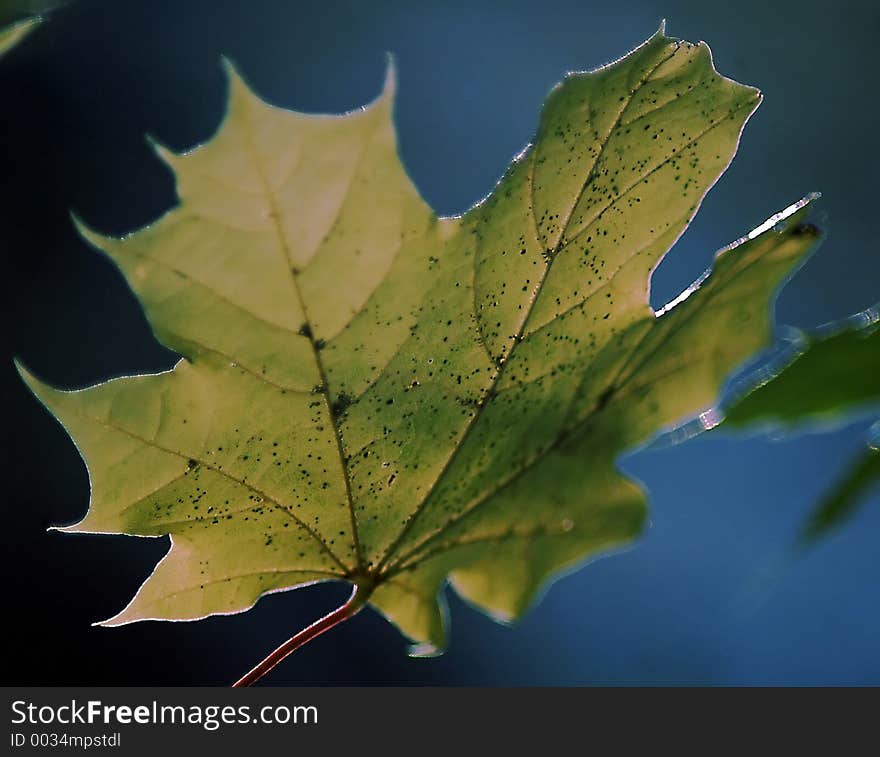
711,594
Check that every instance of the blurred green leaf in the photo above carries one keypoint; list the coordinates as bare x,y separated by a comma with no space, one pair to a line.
846,497
11,35
12,11
830,377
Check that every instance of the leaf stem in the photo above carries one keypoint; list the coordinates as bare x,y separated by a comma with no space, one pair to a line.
359,596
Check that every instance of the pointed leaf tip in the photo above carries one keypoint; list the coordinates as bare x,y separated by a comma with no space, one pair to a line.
36,386
11,35
238,89
164,153
19,367
389,85
94,238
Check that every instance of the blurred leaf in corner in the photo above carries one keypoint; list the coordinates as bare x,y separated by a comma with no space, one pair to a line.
12,11
11,35
836,374
846,498
831,377
18,18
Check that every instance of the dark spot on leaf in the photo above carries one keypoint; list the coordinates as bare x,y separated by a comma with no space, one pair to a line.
340,404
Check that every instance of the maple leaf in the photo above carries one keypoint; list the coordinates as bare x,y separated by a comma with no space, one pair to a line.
373,394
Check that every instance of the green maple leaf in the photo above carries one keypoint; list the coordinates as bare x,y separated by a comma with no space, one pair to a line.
373,394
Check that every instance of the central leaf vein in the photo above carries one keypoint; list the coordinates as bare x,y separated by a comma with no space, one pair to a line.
284,247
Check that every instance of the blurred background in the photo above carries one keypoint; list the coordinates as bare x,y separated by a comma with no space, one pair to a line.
711,594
